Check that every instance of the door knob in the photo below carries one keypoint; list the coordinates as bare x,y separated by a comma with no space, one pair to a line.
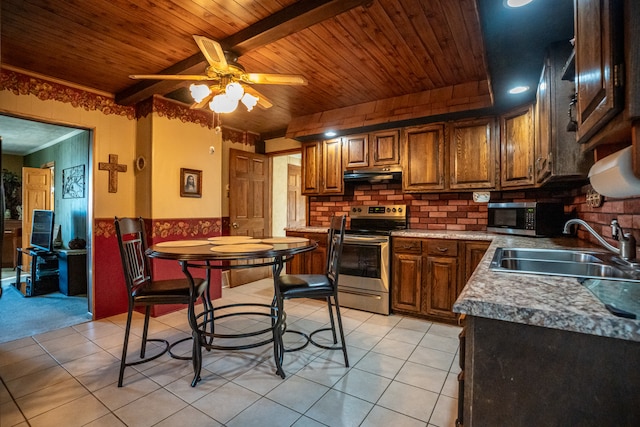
235,225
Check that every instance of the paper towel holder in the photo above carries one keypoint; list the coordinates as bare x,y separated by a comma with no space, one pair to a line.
613,175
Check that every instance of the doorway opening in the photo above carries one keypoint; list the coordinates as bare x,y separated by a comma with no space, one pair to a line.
33,145
289,207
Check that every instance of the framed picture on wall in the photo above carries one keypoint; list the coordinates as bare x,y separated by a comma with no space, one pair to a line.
190,183
73,182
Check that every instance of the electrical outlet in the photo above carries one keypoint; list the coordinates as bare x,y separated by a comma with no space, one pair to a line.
481,196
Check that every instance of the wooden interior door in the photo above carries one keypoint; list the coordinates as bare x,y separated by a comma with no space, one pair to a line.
295,200
249,205
36,194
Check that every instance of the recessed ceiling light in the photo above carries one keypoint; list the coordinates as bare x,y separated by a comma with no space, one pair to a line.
517,3
330,133
518,89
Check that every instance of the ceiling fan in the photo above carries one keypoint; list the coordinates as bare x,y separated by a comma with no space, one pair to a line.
231,83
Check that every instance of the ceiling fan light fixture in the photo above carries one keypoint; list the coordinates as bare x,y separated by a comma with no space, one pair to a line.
234,91
222,103
199,92
249,101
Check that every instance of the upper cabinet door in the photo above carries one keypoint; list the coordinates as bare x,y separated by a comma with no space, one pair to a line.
472,159
599,64
423,158
356,151
385,149
332,180
516,147
311,167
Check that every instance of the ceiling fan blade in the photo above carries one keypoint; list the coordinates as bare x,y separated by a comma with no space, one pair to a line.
263,102
275,79
212,52
170,77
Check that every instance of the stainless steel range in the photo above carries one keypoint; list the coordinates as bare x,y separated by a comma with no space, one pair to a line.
365,274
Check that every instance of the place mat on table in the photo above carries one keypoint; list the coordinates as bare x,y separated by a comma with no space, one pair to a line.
242,247
285,240
182,243
232,240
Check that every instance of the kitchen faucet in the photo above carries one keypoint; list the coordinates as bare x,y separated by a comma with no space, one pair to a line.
627,248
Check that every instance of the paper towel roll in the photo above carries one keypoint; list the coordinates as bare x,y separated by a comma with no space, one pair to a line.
613,176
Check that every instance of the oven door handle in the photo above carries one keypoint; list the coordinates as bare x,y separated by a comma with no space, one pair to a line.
366,241
360,294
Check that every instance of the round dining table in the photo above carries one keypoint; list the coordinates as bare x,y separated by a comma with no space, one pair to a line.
232,252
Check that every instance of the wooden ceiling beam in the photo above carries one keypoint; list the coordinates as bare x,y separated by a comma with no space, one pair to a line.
291,19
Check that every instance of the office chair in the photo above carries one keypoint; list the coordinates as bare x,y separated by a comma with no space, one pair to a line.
142,290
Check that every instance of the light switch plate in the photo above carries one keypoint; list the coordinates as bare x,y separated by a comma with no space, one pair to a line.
481,196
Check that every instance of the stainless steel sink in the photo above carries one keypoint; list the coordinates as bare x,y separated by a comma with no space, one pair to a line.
563,262
552,255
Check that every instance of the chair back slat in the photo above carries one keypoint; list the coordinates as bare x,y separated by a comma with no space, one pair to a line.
334,247
132,243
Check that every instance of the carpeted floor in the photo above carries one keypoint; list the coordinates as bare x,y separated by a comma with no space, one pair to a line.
22,317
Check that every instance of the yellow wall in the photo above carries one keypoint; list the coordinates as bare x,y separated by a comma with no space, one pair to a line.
113,134
184,145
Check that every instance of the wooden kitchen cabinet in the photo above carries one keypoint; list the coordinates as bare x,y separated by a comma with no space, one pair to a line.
322,167
385,148
407,273
370,150
456,156
599,64
517,148
472,157
440,282
314,262
473,253
429,274
558,156
356,151
423,159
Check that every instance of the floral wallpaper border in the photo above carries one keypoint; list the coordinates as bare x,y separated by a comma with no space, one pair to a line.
166,228
22,84
174,110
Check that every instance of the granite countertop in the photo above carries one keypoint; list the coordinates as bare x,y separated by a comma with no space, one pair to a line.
548,301
539,300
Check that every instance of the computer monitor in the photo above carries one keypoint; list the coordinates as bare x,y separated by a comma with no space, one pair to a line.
42,229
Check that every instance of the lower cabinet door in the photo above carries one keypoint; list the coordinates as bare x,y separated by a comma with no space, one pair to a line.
441,286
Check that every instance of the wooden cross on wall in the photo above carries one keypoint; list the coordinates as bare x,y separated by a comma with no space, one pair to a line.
113,167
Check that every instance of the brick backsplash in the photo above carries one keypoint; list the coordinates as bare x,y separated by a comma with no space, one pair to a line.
458,211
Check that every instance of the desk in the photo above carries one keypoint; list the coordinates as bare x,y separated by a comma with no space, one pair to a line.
12,241
202,257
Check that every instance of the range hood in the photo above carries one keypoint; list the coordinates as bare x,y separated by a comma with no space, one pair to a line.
373,175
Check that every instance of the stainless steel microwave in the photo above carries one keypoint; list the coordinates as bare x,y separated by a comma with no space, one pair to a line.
536,219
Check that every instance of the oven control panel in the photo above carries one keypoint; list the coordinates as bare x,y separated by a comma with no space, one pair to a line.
379,211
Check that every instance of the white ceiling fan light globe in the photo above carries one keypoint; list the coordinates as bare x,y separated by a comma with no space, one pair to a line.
199,92
223,104
249,101
234,90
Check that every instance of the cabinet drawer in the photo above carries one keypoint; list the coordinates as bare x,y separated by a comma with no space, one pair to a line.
442,247
401,244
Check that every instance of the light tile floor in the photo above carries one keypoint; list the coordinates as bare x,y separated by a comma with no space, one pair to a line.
403,372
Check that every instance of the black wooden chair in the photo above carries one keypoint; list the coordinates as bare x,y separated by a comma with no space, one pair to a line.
291,286
142,290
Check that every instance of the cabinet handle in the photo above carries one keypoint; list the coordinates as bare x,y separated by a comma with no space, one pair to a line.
442,249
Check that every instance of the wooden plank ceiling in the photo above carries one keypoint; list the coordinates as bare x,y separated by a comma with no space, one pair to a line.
376,50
